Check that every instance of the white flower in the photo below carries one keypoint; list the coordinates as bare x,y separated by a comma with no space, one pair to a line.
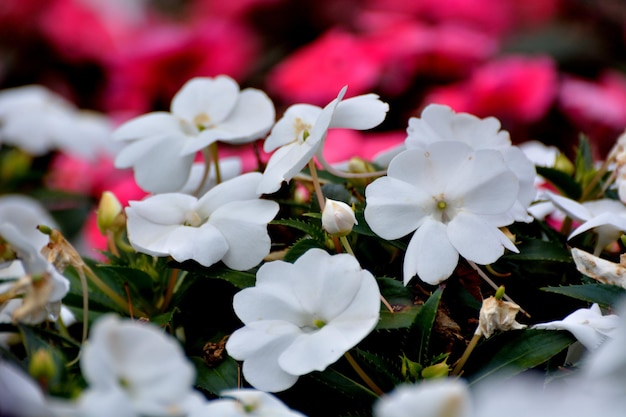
162,145
245,402
453,197
430,398
441,123
606,217
338,218
588,325
228,223
302,317
37,120
134,368
20,396
300,133
229,168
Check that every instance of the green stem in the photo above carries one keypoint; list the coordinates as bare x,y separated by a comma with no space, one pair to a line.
346,245
370,383
109,292
216,160
316,185
85,290
468,351
169,291
206,156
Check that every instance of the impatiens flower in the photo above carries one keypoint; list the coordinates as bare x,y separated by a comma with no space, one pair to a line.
588,325
441,123
162,145
430,398
38,120
338,218
453,197
134,368
245,402
302,317
606,217
301,132
20,396
228,223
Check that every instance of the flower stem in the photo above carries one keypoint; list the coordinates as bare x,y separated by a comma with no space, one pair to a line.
216,160
85,290
207,157
346,245
342,174
316,185
468,351
362,374
493,284
169,291
102,286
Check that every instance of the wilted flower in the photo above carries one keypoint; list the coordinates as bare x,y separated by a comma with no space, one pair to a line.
497,315
601,270
302,317
338,218
228,223
453,197
162,145
301,132
588,325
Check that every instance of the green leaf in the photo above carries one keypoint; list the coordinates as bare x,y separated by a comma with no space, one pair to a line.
381,365
509,353
537,250
584,158
240,279
417,341
342,384
312,230
300,247
603,294
215,379
564,182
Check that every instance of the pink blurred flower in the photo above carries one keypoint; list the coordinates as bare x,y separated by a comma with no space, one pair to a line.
597,108
515,89
343,144
227,9
153,67
314,73
81,30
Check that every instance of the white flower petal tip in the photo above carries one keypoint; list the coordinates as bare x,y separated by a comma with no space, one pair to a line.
600,269
302,317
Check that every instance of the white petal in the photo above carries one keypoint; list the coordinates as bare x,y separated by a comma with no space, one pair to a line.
259,344
213,97
149,125
242,187
284,164
244,227
572,208
430,254
475,239
164,209
395,208
205,244
360,113
611,223
290,127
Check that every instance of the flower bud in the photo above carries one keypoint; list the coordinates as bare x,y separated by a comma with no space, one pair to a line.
438,370
109,212
563,164
338,218
41,366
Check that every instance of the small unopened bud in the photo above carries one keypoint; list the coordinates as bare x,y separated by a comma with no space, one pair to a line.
14,163
497,315
338,218
42,367
563,164
109,212
438,370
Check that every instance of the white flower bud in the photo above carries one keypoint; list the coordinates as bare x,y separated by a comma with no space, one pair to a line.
498,315
338,218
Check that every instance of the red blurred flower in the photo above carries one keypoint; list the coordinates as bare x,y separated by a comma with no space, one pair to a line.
515,89
317,71
153,67
597,108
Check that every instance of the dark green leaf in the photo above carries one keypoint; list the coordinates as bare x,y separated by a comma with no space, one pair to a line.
218,378
564,182
417,341
604,294
342,384
312,230
537,250
300,247
509,353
